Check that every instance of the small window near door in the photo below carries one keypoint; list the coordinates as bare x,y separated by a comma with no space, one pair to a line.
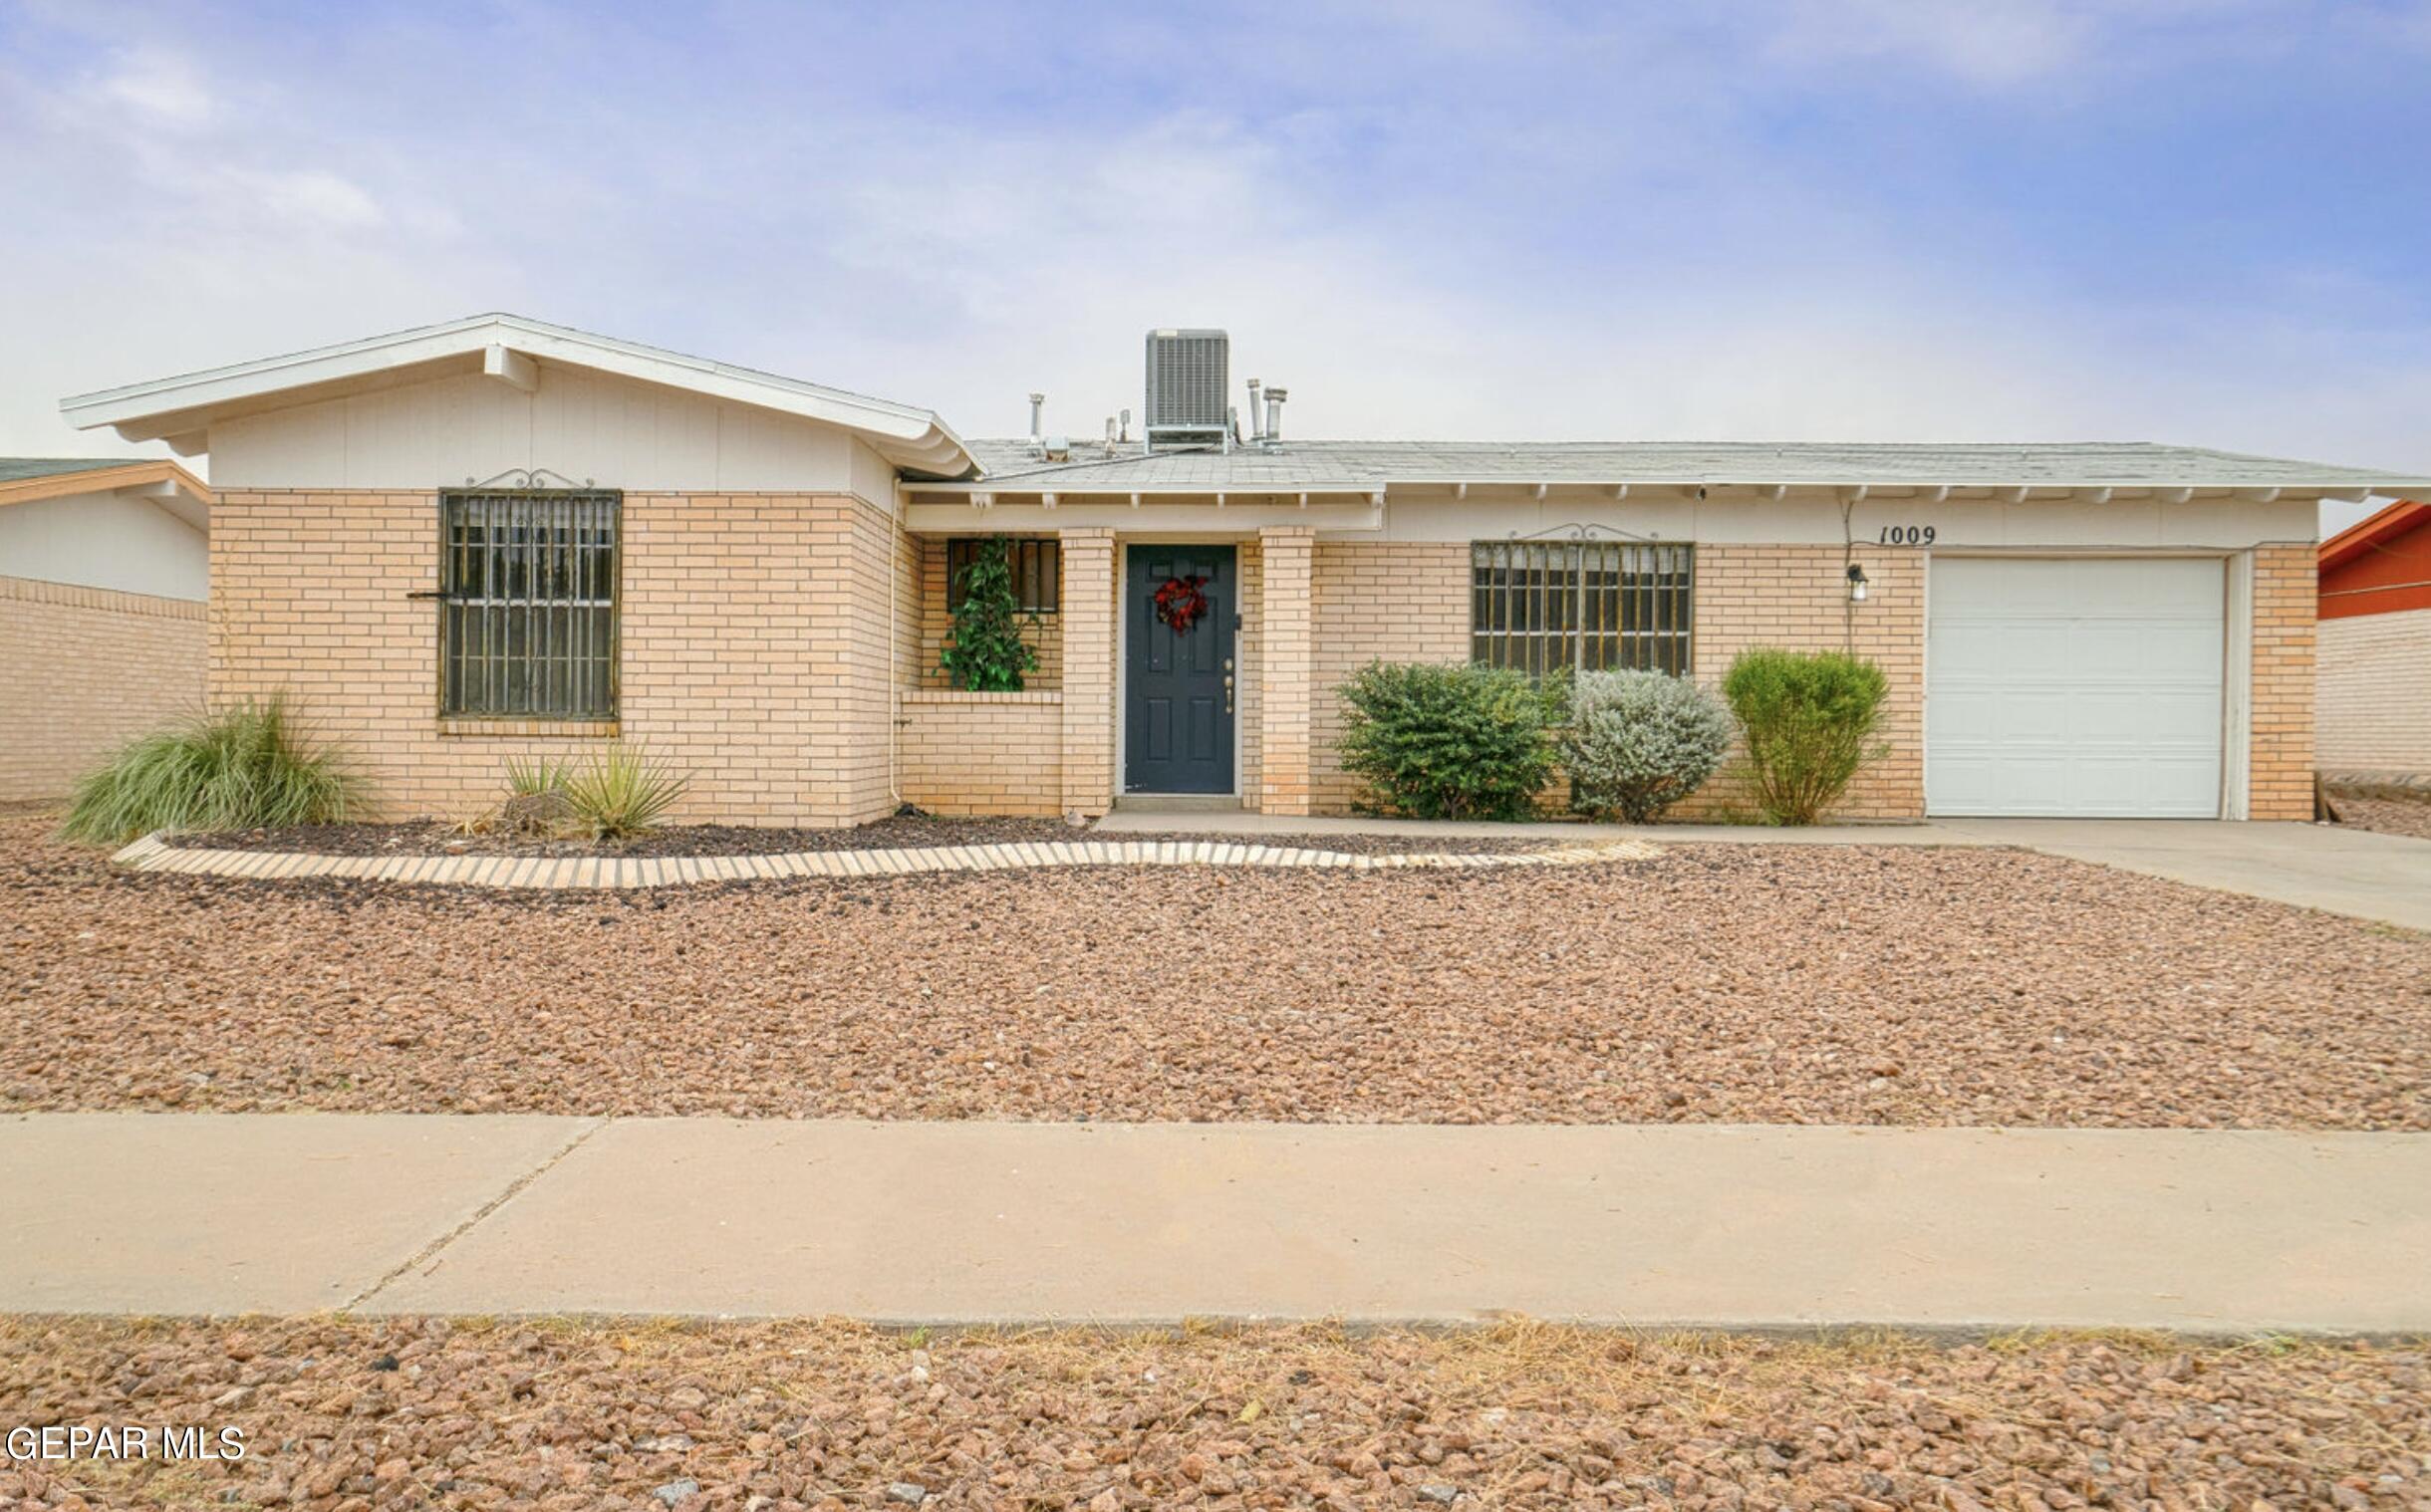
1037,572
1585,606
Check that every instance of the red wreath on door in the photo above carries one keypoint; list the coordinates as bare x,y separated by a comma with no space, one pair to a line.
1180,603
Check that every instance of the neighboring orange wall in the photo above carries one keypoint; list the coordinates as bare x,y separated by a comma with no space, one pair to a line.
2386,577
88,669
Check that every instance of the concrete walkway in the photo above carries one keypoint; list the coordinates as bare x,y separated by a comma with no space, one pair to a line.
2382,878
1746,1227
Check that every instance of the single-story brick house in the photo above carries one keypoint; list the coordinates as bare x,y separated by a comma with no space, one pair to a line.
496,536
104,565
2375,647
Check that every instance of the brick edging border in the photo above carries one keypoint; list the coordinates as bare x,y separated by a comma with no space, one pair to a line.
617,872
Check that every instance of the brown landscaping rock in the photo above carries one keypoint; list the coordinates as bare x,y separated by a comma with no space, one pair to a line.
2410,816
800,1414
1714,983
543,812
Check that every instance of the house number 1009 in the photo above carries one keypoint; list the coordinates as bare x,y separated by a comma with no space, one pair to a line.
1907,535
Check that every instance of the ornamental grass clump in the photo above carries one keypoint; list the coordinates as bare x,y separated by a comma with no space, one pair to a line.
1638,742
1449,741
1809,719
622,789
988,654
246,767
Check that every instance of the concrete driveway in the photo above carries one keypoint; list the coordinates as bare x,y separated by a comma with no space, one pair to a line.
2385,878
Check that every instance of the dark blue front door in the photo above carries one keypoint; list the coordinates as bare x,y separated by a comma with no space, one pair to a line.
1177,716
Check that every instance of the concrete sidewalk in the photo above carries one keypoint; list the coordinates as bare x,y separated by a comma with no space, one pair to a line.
2382,878
1746,1227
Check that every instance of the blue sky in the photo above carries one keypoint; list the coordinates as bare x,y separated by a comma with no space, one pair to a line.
2205,221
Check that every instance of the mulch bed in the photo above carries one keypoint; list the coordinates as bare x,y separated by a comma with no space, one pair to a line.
784,1416
1711,983
429,838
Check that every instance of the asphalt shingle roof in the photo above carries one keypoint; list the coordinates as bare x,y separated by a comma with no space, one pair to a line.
1315,465
18,469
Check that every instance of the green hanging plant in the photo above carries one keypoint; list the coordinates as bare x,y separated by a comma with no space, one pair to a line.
987,654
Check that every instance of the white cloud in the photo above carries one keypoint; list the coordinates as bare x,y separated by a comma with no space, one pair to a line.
1985,42
299,198
160,88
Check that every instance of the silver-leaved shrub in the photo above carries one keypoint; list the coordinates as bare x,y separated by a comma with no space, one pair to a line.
1639,742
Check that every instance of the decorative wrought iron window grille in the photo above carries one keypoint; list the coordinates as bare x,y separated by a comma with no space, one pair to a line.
528,598
1037,568
1588,605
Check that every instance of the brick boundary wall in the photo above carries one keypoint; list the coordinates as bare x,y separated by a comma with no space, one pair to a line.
2373,677
2287,597
88,669
983,753
750,659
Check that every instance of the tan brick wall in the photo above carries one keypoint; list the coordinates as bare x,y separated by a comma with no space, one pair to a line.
1090,586
1795,598
983,753
2374,685
1286,556
1388,601
1250,654
82,671
2285,600
750,657
1409,601
1043,636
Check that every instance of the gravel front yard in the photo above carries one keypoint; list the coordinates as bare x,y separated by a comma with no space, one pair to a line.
786,1416
1718,982
2390,816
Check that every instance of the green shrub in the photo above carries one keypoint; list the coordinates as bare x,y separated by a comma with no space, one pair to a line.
622,789
1639,742
243,768
1809,721
988,654
1449,741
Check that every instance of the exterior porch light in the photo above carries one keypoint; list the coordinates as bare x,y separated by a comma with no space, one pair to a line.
1856,584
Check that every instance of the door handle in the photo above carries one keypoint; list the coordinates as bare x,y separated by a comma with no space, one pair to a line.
1228,692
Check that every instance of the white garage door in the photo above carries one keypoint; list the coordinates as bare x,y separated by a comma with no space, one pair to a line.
2087,688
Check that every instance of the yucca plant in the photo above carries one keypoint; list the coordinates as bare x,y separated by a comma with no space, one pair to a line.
248,766
622,790
527,776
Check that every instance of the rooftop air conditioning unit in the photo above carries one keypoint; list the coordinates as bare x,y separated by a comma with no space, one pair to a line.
1189,378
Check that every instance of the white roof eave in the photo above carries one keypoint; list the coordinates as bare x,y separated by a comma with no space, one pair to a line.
912,438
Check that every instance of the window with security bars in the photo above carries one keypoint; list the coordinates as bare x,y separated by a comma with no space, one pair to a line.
1037,569
1589,606
528,604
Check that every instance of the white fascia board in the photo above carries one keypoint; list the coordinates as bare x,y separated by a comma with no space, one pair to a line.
1875,490
908,437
